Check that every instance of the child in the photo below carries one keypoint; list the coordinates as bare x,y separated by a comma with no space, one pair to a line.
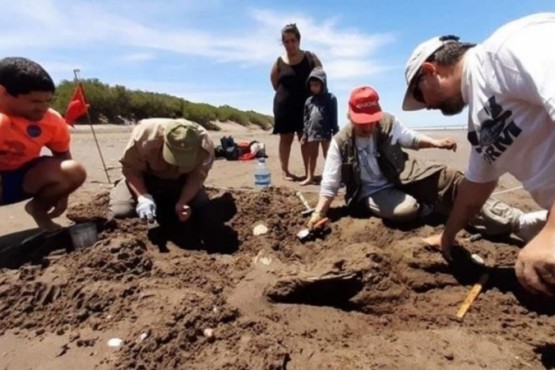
320,120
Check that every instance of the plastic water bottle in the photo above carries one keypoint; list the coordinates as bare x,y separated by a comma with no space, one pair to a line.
262,175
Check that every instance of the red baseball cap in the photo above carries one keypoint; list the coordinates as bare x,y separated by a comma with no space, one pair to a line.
364,106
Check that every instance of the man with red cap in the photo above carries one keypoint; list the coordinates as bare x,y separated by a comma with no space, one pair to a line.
367,156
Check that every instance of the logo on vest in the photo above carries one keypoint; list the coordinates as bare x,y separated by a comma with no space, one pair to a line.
497,131
34,130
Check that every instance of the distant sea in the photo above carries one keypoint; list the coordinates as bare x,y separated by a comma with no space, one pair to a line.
440,128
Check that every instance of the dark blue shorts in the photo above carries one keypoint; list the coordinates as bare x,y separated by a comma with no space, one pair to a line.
11,183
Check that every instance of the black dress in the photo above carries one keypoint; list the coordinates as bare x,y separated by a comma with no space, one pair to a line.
291,95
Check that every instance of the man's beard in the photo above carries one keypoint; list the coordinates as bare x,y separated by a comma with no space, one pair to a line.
452,106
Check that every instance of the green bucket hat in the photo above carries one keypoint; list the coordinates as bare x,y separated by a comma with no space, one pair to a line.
181,144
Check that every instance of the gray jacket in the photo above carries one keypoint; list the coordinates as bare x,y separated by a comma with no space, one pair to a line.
320,111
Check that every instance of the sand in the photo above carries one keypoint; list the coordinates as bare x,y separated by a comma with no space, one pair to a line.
364,295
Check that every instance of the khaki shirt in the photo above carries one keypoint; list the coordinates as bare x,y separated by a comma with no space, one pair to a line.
143,153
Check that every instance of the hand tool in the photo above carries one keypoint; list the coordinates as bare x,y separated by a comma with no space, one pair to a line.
317,229
308,210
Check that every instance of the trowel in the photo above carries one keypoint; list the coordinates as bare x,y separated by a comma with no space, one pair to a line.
307,209
317,230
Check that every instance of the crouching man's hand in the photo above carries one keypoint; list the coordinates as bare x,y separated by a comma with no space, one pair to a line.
183,212
146,208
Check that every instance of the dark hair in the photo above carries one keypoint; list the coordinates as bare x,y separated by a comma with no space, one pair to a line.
451,52
22,76
290,28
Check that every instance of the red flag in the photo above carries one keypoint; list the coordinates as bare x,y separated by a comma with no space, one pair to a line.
77,105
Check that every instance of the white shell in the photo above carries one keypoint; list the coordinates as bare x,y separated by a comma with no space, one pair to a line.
477,259
115,342
260,229
265,260
143,336
303,234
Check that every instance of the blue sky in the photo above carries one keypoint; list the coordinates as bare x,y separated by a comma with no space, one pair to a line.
221,51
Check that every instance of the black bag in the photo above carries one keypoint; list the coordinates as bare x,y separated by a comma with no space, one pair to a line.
219,151
231,151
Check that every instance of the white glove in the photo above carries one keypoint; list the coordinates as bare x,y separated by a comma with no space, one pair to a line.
146,208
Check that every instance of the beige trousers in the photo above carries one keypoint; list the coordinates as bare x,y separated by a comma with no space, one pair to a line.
439,191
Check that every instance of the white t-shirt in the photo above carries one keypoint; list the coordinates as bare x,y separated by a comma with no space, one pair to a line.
509,84
372,177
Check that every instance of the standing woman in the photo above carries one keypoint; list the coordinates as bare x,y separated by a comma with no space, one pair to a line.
288,76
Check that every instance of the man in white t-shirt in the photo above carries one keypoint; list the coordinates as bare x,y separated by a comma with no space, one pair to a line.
508,83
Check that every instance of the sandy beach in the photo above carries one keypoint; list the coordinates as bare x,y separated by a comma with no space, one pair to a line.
365,295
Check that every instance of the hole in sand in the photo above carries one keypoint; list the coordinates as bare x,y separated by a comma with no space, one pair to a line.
31,246
547,353
333,290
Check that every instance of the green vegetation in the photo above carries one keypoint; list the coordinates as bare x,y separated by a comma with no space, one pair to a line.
112,103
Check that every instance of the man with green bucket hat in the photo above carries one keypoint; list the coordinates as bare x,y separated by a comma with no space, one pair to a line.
164,166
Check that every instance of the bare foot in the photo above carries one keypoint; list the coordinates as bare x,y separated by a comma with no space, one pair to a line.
287,176
44,222
308,181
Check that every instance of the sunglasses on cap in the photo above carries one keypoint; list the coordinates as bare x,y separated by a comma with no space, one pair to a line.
416,91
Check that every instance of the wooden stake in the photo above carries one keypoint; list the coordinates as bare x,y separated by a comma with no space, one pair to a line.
472,295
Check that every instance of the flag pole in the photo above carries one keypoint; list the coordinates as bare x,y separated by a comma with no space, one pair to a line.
76,75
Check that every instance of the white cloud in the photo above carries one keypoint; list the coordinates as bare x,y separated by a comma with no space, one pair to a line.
61,68
349,69
137,57
346,53
327,34
62,32
65,25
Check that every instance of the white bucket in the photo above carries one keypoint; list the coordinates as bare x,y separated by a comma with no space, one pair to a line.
83,235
